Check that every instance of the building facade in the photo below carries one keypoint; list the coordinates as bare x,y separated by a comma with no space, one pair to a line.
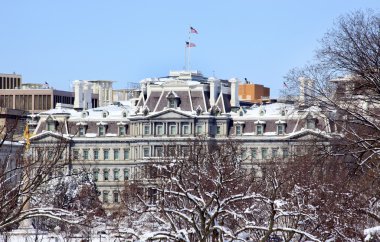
115,142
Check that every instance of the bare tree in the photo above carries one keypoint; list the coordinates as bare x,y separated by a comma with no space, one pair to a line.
22,175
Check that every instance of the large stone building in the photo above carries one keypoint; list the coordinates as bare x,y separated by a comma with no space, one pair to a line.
114,142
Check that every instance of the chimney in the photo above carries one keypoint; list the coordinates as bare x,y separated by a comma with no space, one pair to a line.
214,88
302,97
78,94
87,92
101,94
234,92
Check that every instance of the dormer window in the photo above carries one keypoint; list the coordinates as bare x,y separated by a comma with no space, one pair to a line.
280,129
84,114
173,100
82,131
50,124
259,129
121,130
124,114
260,126
105,114
310,122
101,130
238,130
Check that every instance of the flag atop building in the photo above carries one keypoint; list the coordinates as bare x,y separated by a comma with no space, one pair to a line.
27,136
190,44
193,31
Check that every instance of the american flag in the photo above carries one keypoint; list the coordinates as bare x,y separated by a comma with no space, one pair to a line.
190,44
193,31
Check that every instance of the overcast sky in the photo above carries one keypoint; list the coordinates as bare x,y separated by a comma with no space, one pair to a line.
126,41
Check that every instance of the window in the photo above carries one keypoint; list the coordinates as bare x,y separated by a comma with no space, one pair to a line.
185,151
106,174
85,154
285,153
274,152
146,152
105,197
264,153
115,197
218,129
121,130
126,174
101,130
254,153
116,174
116,154
280,129
75,154
146,129
259,129
186,129
95,175
172,103
124,114
105,115
82,131
172,129
310,124
159,151
238,130
106,154
199,129
159,129
50,125
126,154
96,154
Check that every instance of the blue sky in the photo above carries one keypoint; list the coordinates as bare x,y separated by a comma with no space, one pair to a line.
126,41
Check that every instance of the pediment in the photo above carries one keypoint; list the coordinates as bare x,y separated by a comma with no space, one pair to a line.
308,135
170,114
49,137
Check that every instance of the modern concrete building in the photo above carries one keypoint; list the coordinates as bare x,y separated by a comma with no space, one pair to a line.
10,81
116,142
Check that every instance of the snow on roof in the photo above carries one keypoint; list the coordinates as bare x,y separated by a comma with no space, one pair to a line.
59,110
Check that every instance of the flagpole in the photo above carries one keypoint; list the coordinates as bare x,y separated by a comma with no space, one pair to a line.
189,49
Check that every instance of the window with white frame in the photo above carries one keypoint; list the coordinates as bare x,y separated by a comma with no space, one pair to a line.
121,130
238,130
259,129
115,197
146,152
116,174
116,154
285,152
50,125
264,153
218,129
101,130
106,174
254,153
280,129
159,129
75,154
185,129
105,197
126,174
158,151
274,152
82,131
85,154
172,129
146,129
106,154
96,154
199,129
95,175
126,154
